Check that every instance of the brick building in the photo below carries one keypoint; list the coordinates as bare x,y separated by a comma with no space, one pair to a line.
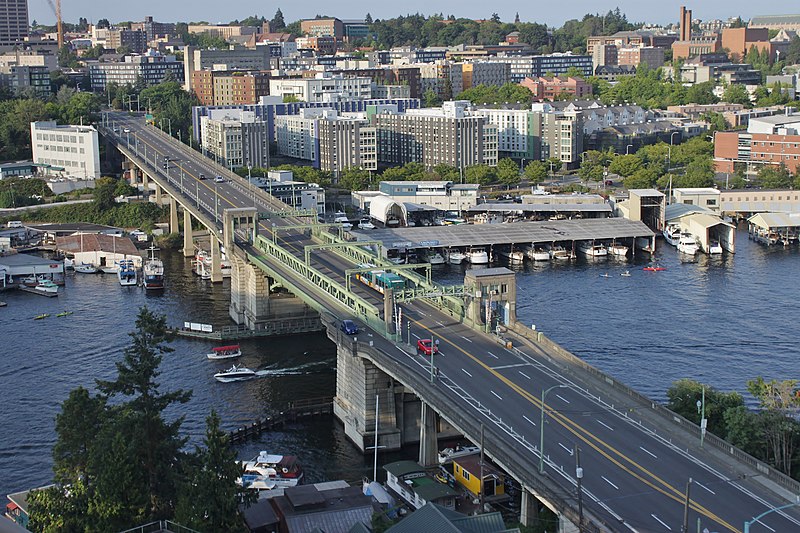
230,87
773,140
739,41
550,89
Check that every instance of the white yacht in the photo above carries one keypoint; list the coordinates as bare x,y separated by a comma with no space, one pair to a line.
559,253
593,251
47,286
127,273
538,254
85,268
434,258
513,257
672,234
478,257
235,373
714,248
687,244
618,250
448,454
455,257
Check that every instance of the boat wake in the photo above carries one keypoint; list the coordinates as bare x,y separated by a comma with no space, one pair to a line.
298,370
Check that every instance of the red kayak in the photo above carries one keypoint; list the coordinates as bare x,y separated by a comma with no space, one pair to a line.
654,269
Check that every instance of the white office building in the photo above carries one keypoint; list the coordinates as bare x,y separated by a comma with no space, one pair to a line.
325,87
71,149
235,138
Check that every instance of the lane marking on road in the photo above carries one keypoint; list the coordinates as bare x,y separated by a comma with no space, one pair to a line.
442,325
401,350
660,521
465,371
466,339
765,525
562,398
511,366
416,336
605,425
648,452
493,355
569,450
498,396
529,420
704,487
609,482
524,374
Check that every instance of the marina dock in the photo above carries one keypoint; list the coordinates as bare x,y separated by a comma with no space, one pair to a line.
40,293
294,411
463,236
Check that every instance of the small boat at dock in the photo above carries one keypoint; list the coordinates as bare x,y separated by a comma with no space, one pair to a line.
448,454
618,250
478,256
280,471
714,248
225,352
455,257
235,373
153,272
47,286
85,268
593,251
538,254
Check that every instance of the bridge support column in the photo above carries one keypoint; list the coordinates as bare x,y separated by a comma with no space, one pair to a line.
173,211
358,383
529,509
428,433
188,238
216,261
158,197
145,184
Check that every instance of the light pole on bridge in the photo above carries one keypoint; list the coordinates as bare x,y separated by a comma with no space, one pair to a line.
759,517
541,426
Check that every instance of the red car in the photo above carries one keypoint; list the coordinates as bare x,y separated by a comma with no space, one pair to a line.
427,347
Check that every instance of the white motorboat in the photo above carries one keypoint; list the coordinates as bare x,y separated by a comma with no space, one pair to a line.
672,234
714,248
46,286
85,268
127,273
153,272
448,454
69,264
513,257
538,254
225,352
593,251
618,250
687,244
235,373
111,269
559,253
455,257
434,258
280,471
365,223
478,257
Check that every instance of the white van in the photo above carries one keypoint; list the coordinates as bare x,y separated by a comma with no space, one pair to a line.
14,224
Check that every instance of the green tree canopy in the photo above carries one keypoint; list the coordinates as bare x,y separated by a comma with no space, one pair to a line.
536,172
508,172
625,165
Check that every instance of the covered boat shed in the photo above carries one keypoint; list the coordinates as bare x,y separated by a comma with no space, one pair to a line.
703,225
14,267
387,211
774,228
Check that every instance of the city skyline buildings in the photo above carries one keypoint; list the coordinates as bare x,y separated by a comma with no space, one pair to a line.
550,14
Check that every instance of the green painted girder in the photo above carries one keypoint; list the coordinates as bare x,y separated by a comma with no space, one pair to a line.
417,293
355,303
288,213
311,247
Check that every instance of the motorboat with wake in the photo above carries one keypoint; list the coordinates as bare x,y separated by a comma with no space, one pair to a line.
235,373
225,352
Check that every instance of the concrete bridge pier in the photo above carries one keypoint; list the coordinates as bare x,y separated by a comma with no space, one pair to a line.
173,211
145,184
188,234
216,260
529,512
159,193
428,436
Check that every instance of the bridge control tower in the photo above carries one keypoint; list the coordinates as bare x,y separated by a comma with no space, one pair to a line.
493,298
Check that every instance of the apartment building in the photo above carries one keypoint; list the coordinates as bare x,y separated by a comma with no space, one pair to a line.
13,23
152,68
230,88
28,58
773,140
557,87
20,79
537,66
322,45
322,27
484,73
346,142
452,135
444,78
134,40
651,56
236,139
223,32
298,135
325,87
258,59
518,131
153,29
73,149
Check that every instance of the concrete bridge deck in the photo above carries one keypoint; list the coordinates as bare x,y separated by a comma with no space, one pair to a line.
636,460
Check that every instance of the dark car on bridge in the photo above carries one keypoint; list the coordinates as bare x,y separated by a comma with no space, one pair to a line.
427,347
349,327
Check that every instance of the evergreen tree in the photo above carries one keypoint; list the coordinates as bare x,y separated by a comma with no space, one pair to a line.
368,19
77,426
277,23
210,499
155,442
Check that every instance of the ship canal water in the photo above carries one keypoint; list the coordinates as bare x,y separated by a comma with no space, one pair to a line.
718,320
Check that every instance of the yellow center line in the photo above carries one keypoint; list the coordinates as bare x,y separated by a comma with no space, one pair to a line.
574,428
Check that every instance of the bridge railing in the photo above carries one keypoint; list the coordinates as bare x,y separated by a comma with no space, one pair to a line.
569,362
505,452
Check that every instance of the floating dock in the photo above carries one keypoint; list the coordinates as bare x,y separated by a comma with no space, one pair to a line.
464,236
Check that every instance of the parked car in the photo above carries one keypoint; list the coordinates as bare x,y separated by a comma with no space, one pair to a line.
349,327
427,347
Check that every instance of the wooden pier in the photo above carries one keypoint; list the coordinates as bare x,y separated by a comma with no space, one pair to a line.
294,411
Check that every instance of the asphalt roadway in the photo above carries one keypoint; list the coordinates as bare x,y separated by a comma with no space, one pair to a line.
631,475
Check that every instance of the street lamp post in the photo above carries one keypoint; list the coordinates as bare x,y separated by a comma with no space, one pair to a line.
701,410
759,517
627,149
541,426
669,150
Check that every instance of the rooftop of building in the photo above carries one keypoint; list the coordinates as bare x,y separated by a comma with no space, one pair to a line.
777,120
71,128
434,517
25,260
774,19
96,242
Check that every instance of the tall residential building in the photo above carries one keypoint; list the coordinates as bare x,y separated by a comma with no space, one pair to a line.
151,68
485,73
13,22
21,79
330,27
153,29
72,148
518,131
225,59
771,140
323,88
452,135
651,56
535,66
236,140
134,40
444,78
229,87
